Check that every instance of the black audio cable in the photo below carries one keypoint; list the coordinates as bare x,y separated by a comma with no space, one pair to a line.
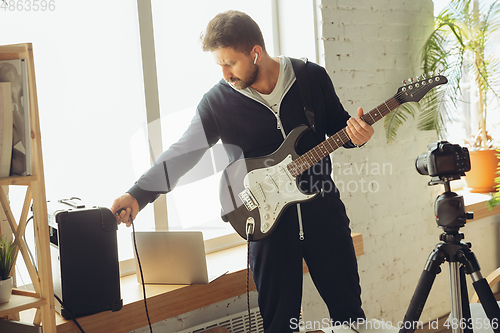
73,318
140,266
249,231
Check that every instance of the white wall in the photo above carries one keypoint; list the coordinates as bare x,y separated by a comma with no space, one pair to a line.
369,48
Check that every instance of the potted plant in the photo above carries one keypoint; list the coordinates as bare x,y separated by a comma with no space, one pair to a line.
460,46
495,197
8,254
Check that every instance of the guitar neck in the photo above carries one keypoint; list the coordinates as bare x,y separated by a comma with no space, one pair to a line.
337,140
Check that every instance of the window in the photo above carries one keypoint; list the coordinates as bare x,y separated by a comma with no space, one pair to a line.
91,99
465,124
90,96
185,73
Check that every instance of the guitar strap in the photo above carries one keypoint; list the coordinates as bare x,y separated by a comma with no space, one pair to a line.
299,67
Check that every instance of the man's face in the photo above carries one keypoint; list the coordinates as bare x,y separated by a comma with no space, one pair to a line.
238,68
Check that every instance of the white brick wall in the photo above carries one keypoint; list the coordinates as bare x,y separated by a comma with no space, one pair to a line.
369,48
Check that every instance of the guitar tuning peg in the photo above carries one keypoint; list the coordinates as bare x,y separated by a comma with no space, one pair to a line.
437,71
411,80
423,76
404,82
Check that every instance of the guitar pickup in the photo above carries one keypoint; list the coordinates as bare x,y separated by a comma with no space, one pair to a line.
271,180
248,200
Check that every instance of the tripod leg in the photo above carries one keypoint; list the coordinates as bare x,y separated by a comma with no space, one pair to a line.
465,302
455,297
483,290
488,302
410,321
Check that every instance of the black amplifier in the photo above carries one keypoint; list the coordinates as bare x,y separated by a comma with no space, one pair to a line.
84,254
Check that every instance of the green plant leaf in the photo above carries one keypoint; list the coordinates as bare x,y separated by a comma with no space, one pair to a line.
8,254
396,118
458,46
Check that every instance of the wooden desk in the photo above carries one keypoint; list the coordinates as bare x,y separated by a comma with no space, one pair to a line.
167,301
476,202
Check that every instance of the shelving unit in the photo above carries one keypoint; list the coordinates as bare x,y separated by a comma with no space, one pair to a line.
42,298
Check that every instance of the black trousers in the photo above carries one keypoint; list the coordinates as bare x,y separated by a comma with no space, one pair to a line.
327,248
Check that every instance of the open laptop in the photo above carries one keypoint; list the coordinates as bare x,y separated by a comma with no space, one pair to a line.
172,257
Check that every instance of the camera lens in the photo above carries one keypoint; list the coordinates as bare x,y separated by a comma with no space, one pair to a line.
421,164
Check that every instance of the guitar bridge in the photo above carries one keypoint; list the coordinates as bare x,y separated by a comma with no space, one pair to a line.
248,200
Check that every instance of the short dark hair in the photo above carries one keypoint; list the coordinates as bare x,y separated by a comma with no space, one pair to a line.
232,29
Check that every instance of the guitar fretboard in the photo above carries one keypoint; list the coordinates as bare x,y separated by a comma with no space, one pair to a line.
337,140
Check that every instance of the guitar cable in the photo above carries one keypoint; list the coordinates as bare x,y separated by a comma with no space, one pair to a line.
140,266
249,231
248,285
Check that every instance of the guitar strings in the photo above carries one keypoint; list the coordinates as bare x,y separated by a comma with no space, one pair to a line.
334,141
260,188
341,137
299,165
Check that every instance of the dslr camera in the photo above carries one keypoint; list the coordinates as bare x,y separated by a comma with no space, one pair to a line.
444,160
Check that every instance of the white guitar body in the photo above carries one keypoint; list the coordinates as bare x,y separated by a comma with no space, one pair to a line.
254,192
271,189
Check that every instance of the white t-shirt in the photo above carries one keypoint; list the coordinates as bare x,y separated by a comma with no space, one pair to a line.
285,80
273,100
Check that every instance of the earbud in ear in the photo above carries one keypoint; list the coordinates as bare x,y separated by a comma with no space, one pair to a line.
256,56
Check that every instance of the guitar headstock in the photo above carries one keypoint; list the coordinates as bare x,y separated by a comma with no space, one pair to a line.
414,90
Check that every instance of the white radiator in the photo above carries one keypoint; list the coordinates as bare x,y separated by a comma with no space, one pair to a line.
237,323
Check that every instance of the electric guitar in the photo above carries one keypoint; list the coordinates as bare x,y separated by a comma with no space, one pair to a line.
254,192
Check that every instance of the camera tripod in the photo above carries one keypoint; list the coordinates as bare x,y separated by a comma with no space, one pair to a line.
450,214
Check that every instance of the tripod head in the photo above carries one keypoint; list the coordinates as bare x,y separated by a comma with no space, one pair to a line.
449,209
446,162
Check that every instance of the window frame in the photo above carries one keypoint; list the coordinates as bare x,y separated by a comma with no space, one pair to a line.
154,133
